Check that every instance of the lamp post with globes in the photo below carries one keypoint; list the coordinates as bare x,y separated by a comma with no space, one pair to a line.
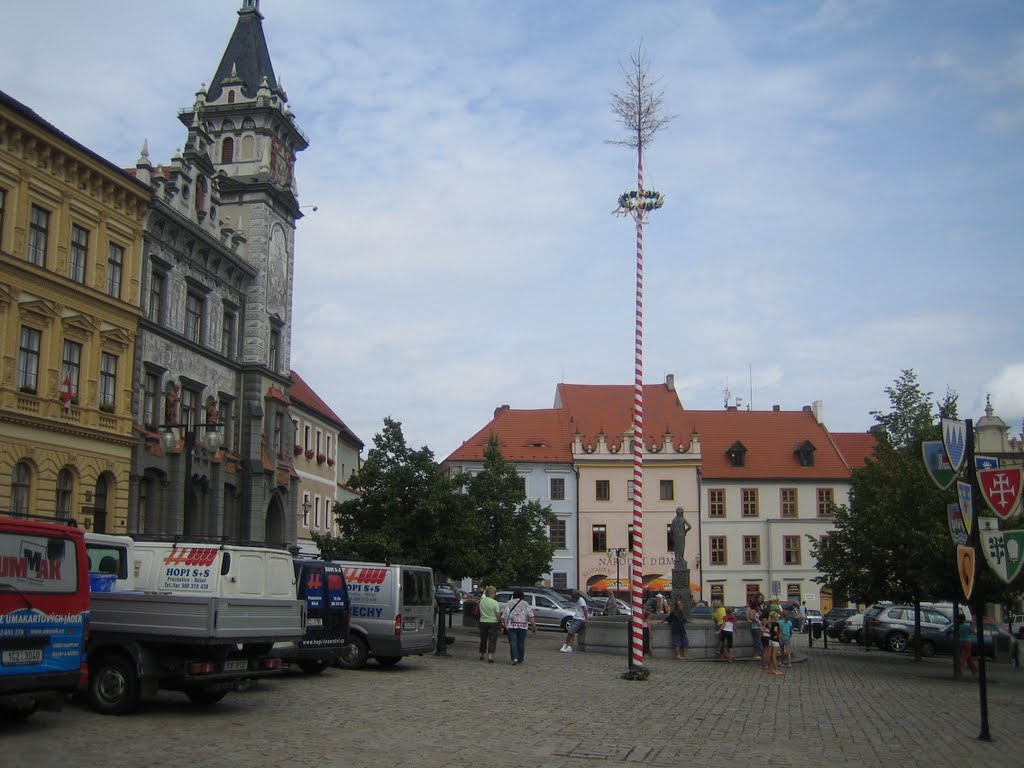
213,439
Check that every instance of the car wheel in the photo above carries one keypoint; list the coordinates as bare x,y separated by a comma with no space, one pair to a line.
927,648
565,623
113,685
896,642
312,667
354,655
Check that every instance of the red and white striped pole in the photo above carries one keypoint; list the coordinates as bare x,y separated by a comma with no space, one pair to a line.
636,587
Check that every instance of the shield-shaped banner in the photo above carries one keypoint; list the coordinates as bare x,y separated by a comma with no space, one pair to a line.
965,567
988,523
954,440
956,524
1004,551
963,492
937,464
1000,488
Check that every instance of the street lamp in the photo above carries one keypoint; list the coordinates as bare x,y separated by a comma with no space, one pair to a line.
305,511
618,551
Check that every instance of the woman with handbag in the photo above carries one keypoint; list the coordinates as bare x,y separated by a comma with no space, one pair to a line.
516,618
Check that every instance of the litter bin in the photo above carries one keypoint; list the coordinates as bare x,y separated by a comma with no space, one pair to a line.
816,630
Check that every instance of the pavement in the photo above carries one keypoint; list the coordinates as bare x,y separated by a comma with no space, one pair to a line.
836,706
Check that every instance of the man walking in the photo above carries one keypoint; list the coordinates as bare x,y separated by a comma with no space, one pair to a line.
577,623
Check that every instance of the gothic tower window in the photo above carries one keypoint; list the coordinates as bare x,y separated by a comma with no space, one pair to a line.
227,150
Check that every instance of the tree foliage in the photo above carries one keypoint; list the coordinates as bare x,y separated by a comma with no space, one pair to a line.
514,546
407,511
892,541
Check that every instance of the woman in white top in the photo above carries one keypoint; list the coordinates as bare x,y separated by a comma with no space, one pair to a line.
516,617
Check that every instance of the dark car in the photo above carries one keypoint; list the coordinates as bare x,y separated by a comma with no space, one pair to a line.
835,620
447,597
998,640
701,612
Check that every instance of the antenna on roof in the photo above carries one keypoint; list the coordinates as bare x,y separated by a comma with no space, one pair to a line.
750,377
726,392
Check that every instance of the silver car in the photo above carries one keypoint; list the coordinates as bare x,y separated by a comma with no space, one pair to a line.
548,611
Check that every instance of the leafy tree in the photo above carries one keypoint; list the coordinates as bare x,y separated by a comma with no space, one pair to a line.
407,511
892,541
515,544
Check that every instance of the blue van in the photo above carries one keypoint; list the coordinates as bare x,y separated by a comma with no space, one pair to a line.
328,616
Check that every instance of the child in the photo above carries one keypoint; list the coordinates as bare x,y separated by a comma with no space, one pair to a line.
728,625
765,637
786,638
774,642
677,623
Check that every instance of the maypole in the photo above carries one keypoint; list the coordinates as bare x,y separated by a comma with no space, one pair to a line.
639,109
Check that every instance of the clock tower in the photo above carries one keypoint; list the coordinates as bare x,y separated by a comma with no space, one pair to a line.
252,140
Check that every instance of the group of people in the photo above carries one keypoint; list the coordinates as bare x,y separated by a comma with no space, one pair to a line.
771,634
516,617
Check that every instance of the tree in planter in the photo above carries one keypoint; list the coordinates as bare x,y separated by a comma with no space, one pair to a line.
515,545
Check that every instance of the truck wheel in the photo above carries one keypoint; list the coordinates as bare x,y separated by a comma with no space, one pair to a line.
388,661
312,667
113,685
204,697
354,655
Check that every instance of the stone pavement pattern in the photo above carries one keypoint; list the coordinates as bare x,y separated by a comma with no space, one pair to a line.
840,706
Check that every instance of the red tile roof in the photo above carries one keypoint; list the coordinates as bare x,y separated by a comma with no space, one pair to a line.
856,447
302,394
594,408
525,436
771,438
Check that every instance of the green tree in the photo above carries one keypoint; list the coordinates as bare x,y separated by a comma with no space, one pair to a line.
407,511
892,541
515,544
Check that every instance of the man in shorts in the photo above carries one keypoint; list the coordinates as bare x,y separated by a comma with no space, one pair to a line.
577,623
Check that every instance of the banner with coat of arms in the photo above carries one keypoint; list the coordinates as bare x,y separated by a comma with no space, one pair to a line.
1004,552
1001,489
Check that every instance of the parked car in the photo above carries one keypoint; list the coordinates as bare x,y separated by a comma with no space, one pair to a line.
997,640
1017,625
893,626
447,597
836,619
548,611
814,617
701,612
853,627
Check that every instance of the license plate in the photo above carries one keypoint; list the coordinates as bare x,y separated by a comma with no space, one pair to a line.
409,625
26,656
314,622
236,665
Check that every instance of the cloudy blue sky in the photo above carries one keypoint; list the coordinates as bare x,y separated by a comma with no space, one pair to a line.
844,183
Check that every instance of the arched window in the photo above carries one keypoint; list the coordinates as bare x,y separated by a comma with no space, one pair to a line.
21,489
65,490
227,150
248,151
231,97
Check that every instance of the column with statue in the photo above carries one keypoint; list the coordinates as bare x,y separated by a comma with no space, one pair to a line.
680,571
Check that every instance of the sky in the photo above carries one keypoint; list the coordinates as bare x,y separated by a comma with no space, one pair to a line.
843,182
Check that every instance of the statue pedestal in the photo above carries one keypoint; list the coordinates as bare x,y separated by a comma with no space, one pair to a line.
681,587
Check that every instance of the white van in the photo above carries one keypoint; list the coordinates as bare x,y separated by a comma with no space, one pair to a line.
212,570
392,612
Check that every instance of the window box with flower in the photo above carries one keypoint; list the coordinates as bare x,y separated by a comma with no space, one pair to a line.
309,453
321,458
330,462
298,450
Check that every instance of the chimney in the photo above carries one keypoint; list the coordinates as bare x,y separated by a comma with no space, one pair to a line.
776,409
500,409
670,382
818,408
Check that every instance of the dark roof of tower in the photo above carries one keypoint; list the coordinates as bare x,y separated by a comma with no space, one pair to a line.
247,54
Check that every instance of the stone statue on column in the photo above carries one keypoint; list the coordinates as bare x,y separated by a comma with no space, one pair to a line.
681,571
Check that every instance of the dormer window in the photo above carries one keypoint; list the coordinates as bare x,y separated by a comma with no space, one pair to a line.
805,453
737,454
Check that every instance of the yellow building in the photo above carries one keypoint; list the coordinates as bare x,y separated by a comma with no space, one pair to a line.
70,248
